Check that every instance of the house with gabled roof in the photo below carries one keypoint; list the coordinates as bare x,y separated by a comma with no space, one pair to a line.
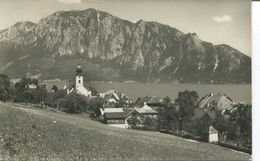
221,101
146,110
118,117
114,96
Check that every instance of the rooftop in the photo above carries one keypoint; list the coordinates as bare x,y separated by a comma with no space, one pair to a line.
145,109
221,101
212,130
113,110
118,115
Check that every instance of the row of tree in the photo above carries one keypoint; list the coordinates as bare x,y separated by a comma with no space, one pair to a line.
31,91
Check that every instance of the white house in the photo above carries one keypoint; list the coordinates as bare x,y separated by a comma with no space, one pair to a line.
213,135
79,87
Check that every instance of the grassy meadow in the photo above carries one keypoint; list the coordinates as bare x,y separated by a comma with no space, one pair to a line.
44,134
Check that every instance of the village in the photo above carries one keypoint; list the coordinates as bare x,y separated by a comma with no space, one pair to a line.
205,119
214,118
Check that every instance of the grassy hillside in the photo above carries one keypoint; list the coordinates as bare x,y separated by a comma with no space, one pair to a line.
33,134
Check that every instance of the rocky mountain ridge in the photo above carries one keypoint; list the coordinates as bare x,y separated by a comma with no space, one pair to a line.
110,48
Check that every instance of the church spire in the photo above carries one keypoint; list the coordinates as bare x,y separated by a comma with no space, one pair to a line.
79,70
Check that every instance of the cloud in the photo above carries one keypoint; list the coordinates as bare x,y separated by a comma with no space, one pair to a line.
69,1
221,19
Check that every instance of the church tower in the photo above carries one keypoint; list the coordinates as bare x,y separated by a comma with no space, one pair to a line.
79,78
79,86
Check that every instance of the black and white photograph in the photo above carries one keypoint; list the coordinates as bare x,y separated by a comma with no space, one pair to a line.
125,80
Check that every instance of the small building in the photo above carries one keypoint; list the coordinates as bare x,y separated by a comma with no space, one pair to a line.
146,110
119,119
114,96
79,87
221,101
213,135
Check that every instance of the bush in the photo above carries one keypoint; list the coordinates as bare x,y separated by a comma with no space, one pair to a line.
95,105
75,103
5,88
150,123
54,99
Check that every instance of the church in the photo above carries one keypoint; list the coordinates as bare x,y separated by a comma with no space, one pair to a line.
79,84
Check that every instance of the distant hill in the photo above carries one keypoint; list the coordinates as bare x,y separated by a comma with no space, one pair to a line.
110,48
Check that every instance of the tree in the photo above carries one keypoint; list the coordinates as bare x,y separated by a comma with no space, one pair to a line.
221,124
5,88
186,103
95,105
166,101
167,117
150,123
40,94
241,117
27,96
201,126
54,88
19,89
75,103
34,81
54,99
94,92
22,91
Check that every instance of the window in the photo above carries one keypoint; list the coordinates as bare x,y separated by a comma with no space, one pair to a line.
79,81
115,121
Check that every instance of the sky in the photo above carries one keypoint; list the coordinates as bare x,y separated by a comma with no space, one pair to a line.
216,21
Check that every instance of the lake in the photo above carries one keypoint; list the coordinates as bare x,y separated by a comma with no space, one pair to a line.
238,92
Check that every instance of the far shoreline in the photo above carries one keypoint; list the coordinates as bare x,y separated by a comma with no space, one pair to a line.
175,83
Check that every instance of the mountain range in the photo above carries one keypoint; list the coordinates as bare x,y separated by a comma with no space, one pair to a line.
113,49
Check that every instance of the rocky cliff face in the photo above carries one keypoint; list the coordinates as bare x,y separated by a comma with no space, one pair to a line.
114,49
